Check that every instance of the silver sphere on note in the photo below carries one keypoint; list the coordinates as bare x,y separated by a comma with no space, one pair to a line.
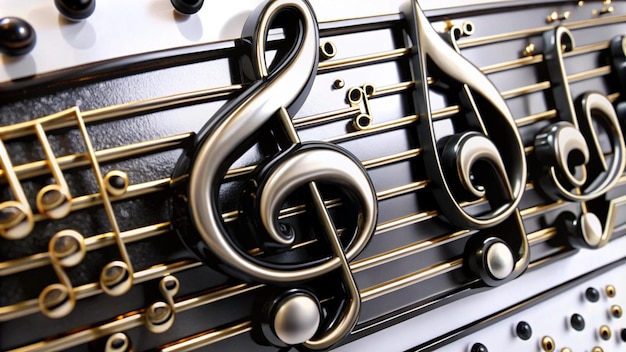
499,260
297,319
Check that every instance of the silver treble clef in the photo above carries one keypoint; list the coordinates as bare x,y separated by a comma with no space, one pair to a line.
573,165
274,95
482,158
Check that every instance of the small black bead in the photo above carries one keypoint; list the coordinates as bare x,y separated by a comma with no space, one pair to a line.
117,182
523,330
187,7
578,322
75,10
170,285
118,343
479,347
592,294
17,37
623,335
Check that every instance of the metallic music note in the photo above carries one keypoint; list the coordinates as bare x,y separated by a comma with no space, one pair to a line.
66,249
54,200
16,216
574,166
487,160
275,93
359,96
160,315
116,278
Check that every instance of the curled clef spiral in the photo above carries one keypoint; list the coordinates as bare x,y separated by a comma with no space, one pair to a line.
483,158
276,91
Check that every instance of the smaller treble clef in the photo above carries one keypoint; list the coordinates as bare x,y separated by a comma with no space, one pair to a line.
573,165
275,93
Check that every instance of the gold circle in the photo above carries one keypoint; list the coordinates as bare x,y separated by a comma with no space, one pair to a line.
616,311
605,332
610,291
328,50
597,349
355,95
112,189
566,349
118,342
547,343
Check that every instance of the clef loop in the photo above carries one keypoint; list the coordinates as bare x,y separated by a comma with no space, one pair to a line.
581,156
274,93
482,158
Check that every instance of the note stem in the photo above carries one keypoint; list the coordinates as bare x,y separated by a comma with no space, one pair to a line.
106,202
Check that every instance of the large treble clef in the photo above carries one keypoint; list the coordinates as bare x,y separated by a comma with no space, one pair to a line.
482,158
574,166
275,93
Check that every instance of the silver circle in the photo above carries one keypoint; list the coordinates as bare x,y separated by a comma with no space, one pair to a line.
591,228
297,319
500,261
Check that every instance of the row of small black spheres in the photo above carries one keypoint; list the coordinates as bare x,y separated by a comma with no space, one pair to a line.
18,37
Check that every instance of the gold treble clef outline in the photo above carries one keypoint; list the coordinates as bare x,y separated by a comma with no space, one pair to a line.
499,251
277,91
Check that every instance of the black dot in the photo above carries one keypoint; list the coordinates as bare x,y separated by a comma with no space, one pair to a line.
592,294
523,330
117,182
479,347
117,343
17,37
355,95
187,7
623,335
170,285
329,48
578,322
75,10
